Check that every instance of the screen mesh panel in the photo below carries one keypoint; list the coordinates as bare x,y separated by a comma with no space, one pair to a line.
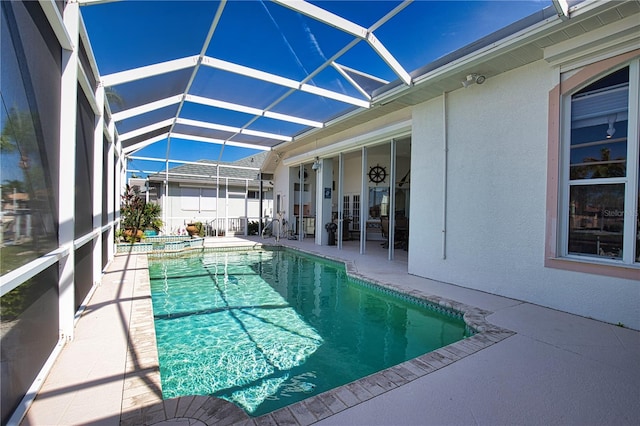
147,119
84,166
269,125
139,92
144,137
83,272
30,109
235,88
29,316
311,106
201,131
193,111
86,65
105,180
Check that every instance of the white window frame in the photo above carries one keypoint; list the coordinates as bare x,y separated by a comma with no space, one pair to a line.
630,180
189,199
208,199
199,200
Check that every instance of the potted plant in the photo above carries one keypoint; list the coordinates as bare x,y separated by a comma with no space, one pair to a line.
195,228
151,222
136,215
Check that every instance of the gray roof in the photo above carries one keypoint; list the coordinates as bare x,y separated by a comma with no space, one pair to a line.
205,171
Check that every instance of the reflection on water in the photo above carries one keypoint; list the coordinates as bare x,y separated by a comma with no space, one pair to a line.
265,329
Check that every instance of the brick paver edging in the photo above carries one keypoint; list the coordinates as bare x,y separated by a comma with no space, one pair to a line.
143,405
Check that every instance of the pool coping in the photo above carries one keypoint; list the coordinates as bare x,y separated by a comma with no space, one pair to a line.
142,405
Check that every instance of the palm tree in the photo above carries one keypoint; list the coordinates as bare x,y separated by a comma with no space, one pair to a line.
12,184
113,97
18,136
18,133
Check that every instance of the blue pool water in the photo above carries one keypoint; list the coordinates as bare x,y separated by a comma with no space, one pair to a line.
265,329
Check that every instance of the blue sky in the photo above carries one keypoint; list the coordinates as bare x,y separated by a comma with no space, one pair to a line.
272,38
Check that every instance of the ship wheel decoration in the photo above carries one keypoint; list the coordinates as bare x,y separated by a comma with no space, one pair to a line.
377,174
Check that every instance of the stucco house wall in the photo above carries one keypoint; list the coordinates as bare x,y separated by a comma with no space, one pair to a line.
494,223
486,160
233,207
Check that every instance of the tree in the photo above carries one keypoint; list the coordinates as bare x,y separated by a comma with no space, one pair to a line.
12,184
18,135
113,97
603,167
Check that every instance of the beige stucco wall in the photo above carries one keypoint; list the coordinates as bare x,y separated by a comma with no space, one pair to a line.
495,195
496,199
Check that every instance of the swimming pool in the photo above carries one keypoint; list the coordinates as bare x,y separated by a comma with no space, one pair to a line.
267,328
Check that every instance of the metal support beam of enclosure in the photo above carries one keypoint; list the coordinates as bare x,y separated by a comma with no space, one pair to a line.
301,203
364,203
341,229
66,206
392,200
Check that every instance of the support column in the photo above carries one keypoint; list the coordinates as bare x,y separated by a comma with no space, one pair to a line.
66,196
111,193
218,200
260,213
301,204
341,229
98,164
118,191
246,204
364,202
226,206
324,189
392,200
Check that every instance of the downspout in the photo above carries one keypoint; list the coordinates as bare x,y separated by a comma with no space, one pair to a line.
445,143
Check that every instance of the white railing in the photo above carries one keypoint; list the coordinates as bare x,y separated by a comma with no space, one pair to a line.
213,226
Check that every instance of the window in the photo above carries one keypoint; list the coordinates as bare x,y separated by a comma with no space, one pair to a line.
198,199
190,198
599,182
208,200
378,202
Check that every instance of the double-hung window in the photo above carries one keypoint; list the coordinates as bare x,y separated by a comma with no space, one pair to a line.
599,174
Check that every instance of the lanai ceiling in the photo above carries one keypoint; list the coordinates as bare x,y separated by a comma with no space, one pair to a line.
257,74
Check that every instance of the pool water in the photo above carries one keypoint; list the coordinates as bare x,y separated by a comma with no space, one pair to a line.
265,329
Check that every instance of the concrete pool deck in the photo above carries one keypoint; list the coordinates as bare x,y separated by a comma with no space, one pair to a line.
536,366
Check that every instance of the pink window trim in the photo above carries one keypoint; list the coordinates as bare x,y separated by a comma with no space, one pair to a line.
588,73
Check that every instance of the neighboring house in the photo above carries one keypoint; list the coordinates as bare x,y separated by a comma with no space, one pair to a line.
522,157
223,196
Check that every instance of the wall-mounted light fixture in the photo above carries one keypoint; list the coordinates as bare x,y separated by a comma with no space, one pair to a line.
473,79
316,164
